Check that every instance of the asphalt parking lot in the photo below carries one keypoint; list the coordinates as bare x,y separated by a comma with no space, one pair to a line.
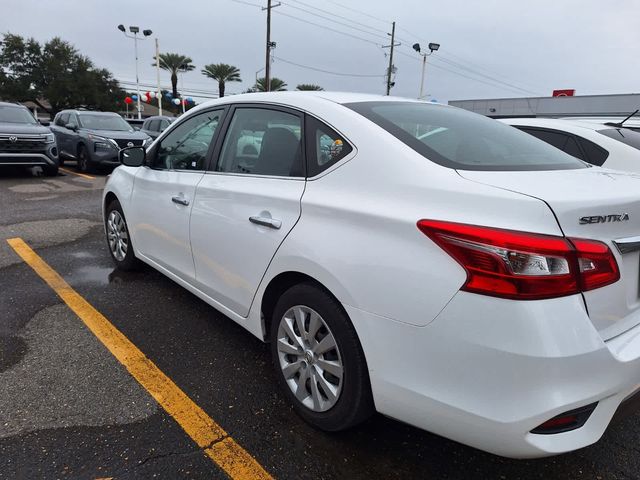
70,409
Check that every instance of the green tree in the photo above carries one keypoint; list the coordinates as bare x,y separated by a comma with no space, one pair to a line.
55,72
174,63
222,73
309,86
275,84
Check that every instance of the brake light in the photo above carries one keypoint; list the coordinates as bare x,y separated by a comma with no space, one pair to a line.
521,265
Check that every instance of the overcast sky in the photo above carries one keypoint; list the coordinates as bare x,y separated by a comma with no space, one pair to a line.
497,48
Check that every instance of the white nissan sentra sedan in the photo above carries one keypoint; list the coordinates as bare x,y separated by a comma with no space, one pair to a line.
431,264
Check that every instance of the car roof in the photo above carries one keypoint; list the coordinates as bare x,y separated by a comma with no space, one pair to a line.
305,99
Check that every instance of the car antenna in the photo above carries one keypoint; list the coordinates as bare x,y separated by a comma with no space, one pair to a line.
621,124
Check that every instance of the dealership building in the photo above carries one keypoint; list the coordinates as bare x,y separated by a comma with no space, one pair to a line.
620,105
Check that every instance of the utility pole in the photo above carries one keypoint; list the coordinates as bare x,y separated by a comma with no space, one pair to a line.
393,44
269,46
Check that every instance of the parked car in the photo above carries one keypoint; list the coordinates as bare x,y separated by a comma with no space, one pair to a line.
631,121
154,126
136,123
24,142
475,282
93,139
597,144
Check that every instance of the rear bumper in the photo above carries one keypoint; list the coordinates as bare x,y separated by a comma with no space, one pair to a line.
487,371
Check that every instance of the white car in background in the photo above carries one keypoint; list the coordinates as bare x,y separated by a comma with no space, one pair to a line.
420,260
596,143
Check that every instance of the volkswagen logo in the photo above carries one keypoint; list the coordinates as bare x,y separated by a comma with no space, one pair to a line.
130,144
13,139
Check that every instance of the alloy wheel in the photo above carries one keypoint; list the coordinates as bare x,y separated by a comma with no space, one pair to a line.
117,235
309,358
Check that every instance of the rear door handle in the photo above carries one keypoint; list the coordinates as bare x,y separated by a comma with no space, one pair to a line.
180,200
266,222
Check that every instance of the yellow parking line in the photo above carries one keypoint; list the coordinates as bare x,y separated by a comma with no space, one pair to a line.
202,429
83,175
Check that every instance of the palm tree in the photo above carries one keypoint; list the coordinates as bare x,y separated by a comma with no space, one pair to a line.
222,73
275,84
309,86
174,63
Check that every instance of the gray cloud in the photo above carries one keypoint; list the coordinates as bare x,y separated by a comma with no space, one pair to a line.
536,45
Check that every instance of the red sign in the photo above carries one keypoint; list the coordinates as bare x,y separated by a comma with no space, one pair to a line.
567,92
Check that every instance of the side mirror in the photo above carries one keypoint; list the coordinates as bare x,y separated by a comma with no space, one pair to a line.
132,156
71,126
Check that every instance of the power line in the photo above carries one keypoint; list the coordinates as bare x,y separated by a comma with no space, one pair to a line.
327,71
475,72
443,57
333,20
247,3
327,28
359,11
333,14
492,84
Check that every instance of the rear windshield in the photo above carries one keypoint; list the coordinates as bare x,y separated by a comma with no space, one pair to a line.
624,135
458,139
104,122
16,115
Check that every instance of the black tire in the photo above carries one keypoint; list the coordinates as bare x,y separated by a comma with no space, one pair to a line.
355,401
84,162
129,262
50,170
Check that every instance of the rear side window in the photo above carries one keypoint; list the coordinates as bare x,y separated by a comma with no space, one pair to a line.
556,139
154,125
624,135
573,149
455,138
325,147
595,154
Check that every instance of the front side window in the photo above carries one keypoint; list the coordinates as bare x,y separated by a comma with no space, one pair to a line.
63,119
153,125
114,123
458,139
262,141
186,147
73,121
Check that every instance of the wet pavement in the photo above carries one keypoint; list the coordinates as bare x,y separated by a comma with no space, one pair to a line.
69,409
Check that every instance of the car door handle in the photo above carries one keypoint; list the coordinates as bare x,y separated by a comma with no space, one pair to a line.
266,222
180,200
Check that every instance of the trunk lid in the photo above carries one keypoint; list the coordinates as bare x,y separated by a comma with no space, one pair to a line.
597,204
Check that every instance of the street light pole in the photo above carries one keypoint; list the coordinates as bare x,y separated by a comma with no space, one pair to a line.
424,66
135,43
159,94
135,30
433,47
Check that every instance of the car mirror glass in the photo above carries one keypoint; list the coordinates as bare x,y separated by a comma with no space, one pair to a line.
71,126
132,156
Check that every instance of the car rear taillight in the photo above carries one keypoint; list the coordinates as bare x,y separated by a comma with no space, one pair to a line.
521,265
